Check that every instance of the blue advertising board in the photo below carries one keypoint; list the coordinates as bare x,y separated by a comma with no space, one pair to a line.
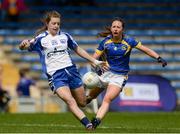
145,93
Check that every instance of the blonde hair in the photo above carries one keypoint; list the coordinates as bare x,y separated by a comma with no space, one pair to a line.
46,19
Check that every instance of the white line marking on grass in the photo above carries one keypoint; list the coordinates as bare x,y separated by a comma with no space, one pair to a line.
39,125
75,126
121,127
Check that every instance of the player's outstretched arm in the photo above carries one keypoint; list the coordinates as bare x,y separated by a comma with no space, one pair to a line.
153,54
81,52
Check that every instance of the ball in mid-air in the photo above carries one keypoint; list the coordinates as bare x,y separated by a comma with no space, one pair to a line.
91,80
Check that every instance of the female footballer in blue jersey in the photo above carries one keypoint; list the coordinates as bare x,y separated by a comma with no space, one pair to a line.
116,47
53,47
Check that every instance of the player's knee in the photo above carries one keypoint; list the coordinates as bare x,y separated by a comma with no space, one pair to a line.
107,100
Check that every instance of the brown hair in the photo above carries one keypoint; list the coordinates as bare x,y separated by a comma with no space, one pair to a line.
46,19
108,28
23,71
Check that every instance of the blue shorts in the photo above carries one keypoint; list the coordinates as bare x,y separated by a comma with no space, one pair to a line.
65,77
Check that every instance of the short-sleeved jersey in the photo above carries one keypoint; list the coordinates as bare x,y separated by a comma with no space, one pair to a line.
118,53
54,51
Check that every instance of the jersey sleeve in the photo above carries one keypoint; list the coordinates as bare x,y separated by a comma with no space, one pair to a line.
72,44
100,48
134,43
36,46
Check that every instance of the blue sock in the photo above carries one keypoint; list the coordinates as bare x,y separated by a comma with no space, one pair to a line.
85,121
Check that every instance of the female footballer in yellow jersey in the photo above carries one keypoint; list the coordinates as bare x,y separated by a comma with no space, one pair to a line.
117,49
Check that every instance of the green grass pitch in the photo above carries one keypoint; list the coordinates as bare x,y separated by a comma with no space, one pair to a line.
114,122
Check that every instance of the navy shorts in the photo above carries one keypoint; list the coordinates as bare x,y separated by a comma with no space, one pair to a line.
68,76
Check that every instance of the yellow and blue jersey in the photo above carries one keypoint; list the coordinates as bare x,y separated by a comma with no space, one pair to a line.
117,54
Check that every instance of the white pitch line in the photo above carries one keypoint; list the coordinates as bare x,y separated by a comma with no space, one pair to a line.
39,125
74,126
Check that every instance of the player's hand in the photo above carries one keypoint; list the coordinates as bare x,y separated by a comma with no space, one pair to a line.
162,61
24,44
105,67
99,63
102,65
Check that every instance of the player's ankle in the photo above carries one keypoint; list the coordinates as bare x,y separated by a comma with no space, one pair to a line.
95,122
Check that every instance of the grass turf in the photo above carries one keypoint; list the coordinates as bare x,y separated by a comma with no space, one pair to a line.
114,122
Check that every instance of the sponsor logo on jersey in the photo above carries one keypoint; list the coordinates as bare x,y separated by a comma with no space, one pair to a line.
62,41
123,47
55,53
54,42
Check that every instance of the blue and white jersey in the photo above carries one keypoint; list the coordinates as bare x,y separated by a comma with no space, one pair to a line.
54,50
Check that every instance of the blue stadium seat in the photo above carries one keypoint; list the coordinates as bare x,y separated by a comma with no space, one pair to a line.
28,58
154,68
80,32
